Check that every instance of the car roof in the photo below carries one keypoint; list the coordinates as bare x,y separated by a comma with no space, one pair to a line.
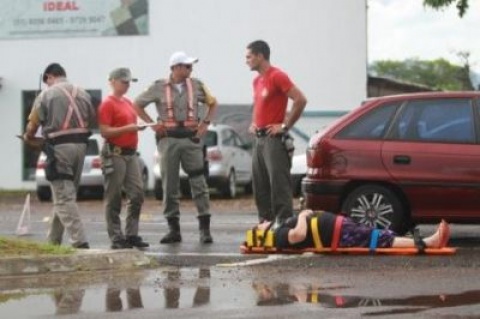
427,95
219,127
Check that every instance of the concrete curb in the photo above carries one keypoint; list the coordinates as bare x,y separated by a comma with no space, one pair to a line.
87,260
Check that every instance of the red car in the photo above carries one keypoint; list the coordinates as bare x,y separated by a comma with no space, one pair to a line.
400,160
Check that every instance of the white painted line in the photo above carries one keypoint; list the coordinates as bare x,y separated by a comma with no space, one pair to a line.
269,259
158,254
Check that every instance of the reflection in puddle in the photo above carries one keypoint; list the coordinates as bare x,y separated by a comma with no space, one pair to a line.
114,301
284,294
213,289
171,288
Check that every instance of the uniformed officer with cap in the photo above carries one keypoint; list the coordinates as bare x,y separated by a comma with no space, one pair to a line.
182,122
66,115
117,120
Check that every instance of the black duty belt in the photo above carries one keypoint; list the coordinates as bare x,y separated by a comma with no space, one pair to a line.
263,132
70,138
181,133
117,150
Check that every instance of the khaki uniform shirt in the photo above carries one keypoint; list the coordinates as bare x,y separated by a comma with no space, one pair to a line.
156,93
53,107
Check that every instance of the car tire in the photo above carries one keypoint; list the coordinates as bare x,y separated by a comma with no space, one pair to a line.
376,206
158,190
248,188
297,186
44,193
229,189
145,180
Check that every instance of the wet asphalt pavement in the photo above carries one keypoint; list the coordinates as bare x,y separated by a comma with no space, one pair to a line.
216,281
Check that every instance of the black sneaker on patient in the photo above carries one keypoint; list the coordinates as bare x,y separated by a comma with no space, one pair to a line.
121,244
137,241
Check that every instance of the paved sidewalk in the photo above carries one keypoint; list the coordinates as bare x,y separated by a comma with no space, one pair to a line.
87,260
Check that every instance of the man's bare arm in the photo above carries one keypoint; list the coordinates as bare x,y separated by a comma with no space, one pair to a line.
299,103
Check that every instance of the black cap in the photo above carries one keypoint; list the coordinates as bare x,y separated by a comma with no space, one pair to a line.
54,69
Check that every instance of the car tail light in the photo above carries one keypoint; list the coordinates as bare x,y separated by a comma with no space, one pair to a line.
314,158
97,162
41,164
214,155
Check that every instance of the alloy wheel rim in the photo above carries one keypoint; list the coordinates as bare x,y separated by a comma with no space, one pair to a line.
373,210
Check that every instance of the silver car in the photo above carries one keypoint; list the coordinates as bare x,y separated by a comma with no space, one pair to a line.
91,182
229,163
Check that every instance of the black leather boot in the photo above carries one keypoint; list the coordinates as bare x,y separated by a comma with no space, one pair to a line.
204,226
173,236
136,241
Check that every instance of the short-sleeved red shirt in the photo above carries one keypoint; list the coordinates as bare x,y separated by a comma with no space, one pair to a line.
117,112
270,97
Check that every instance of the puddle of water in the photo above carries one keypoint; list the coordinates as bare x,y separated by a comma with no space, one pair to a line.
283,294
210,288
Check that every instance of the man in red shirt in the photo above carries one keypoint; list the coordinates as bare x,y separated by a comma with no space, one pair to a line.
118,125
270,124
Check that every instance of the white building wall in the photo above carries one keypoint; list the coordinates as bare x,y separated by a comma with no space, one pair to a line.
321,44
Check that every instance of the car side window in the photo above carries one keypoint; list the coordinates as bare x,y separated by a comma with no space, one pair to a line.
92,147
449,121
211,138
371,125
229,138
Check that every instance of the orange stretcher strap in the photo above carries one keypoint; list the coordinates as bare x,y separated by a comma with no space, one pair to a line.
315,232
351,250
336,232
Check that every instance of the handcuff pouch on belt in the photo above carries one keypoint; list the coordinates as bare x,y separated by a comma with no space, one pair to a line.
107,159
287,141
51,171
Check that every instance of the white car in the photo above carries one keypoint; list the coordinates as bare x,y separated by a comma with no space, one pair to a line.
229,163
297,172
91,182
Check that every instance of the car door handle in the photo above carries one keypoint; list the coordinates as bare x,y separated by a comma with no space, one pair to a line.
402,159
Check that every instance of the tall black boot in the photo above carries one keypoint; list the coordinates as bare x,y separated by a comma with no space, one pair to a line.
204,226
173,236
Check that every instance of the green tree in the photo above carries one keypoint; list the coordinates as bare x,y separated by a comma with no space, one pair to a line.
437,74
462,5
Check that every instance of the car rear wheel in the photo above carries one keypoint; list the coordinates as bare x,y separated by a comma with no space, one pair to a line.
44,193
158,190
230,188
376,206
145,180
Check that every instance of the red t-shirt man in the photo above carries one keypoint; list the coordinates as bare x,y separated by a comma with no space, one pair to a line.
270,97
271,154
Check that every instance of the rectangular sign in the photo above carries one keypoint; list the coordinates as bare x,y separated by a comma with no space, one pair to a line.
80,18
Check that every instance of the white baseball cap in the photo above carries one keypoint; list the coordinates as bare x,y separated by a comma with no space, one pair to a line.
181,57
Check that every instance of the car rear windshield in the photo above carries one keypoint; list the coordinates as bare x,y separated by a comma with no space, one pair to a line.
211,138
92,147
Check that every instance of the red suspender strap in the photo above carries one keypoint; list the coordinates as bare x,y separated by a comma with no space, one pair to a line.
336,232
190,116
168,97
171,122
72,107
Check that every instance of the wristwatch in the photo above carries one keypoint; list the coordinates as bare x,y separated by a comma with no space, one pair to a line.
284,127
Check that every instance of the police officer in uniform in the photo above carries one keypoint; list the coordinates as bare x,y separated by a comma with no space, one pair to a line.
180,128
117,120
66,114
